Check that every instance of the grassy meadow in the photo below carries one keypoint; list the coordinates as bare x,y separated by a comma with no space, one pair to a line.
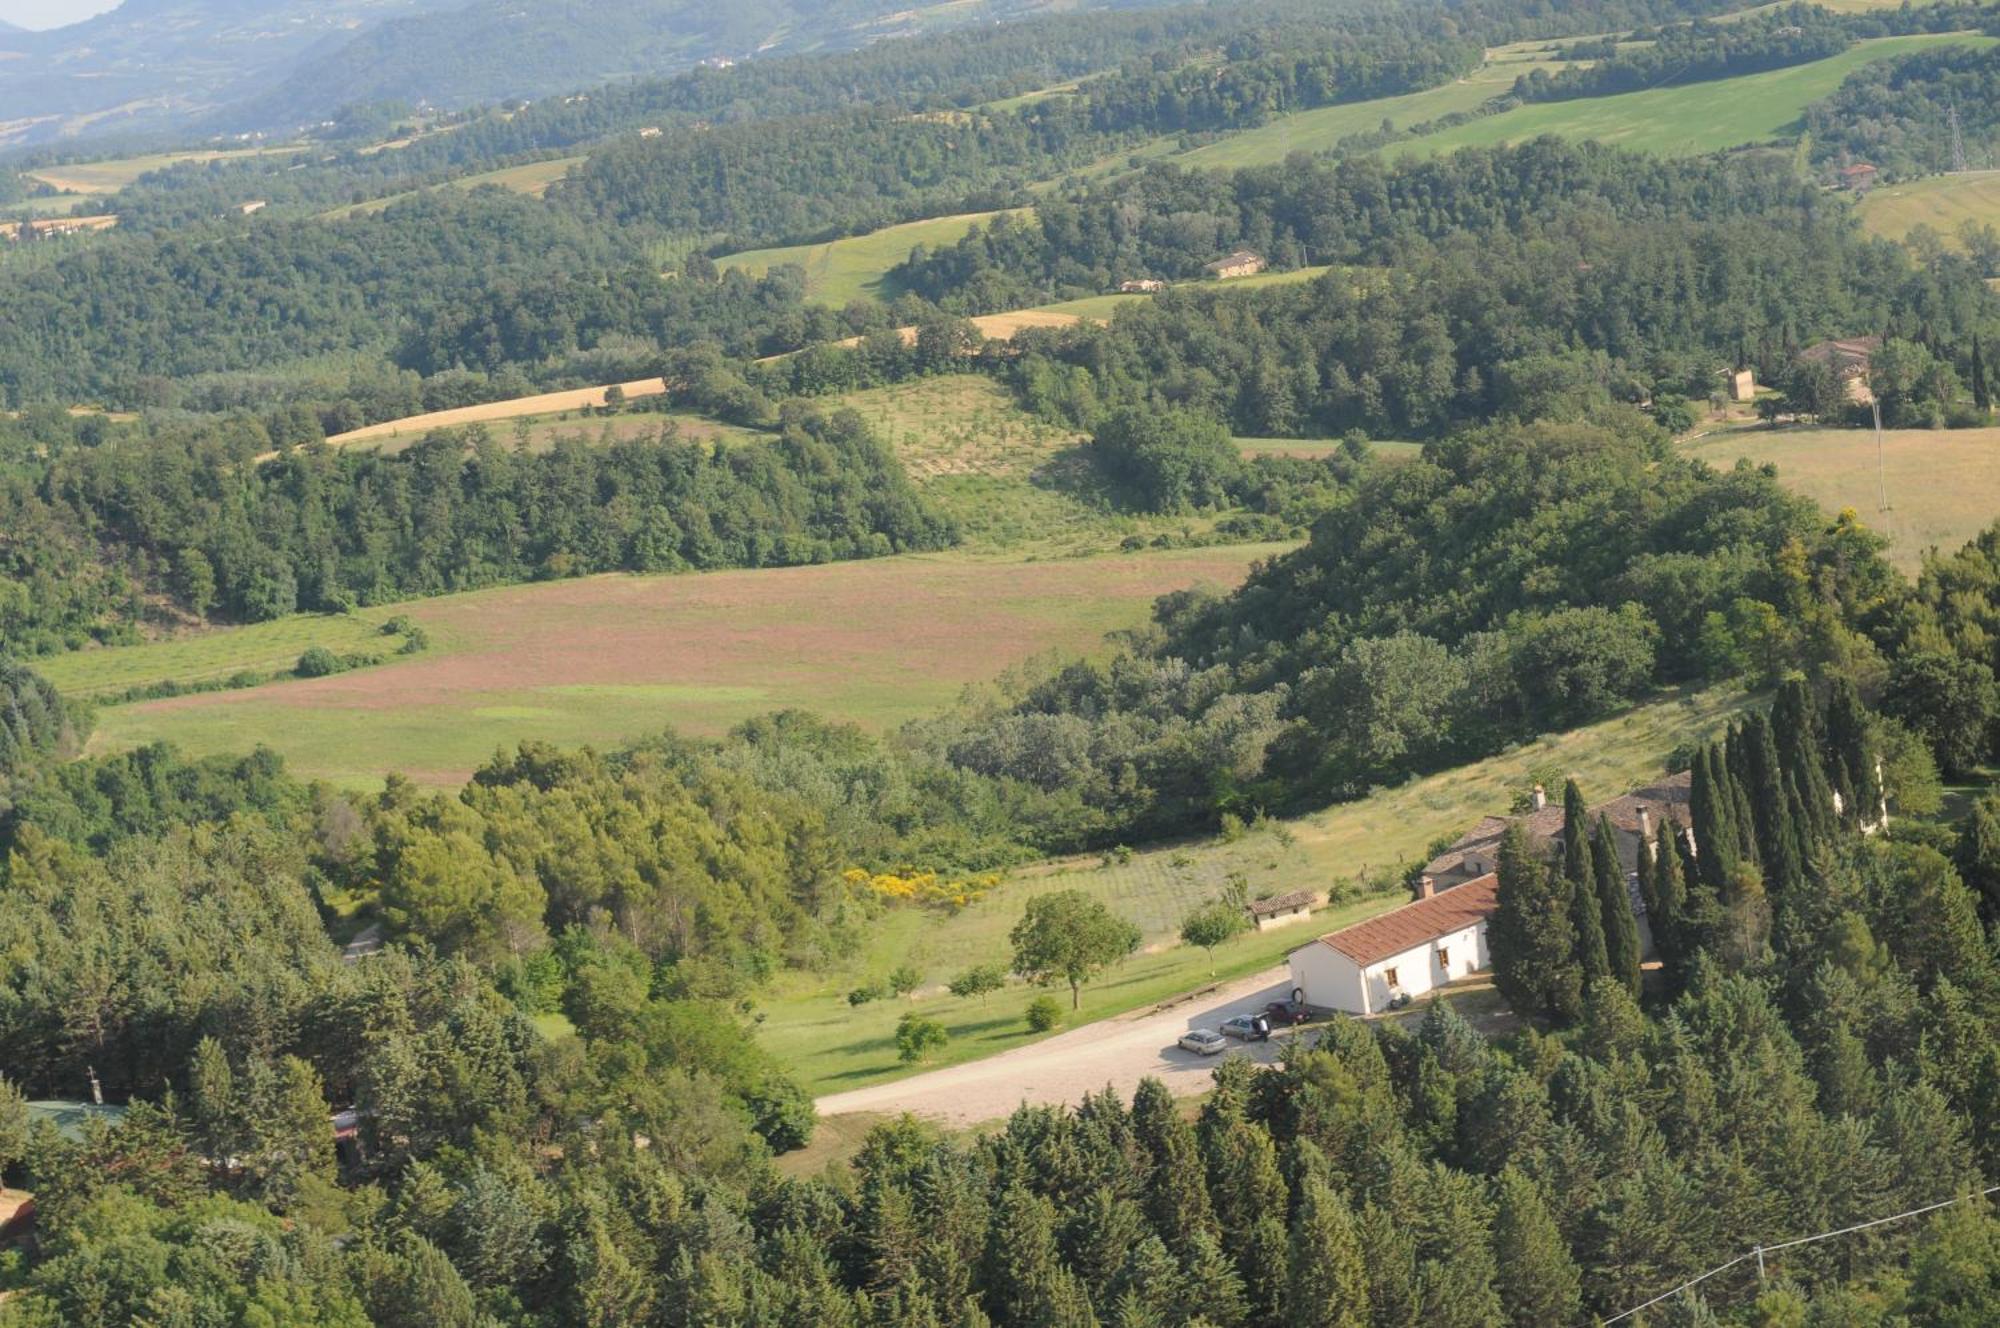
532,179
1943,484
855,267
206,656
108,177
831,1046
1687,119
1942,202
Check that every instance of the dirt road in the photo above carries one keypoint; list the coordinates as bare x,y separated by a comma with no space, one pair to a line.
1061,1070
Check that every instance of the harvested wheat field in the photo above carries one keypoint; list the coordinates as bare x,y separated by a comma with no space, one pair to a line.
614,657
542,403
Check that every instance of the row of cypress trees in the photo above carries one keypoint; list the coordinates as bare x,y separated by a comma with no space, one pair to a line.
1765,802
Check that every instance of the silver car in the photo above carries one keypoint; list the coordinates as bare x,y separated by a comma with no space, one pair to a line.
1202,1041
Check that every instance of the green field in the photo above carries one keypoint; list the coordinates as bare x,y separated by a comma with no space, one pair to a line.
1943,484
204,656
1942,202
855,267
1689,119
533,179
831,1046
108,177
1321,129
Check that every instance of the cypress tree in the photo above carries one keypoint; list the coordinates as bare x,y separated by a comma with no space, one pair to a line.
1614,902
1530,937
1586,918
1670,892
1534,1273
1981,394
1328,1286
1710,804
1850,756
1734,771
1795,723
1770,804
1576,834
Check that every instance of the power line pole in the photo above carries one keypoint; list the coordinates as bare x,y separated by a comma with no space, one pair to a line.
1881,465
1958,165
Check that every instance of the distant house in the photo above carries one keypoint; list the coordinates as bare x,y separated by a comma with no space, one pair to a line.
1405,952
1743,385
1851,358
253,207
1858,178
1242,263
650,131
1282,910
1145,287
1635,818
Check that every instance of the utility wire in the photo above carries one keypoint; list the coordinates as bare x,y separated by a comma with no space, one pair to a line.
1760,1251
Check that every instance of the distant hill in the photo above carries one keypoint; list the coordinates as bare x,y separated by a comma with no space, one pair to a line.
246,65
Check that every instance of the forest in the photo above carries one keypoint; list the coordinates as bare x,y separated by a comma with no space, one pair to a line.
200,521
1896,114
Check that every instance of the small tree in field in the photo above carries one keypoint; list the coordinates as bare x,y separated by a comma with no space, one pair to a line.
1067,936
981,980
917,1037
1211,925
904,980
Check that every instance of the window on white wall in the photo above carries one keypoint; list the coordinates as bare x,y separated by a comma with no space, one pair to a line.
1444,958
1389,976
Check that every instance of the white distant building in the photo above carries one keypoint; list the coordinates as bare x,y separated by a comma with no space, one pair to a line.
1410,950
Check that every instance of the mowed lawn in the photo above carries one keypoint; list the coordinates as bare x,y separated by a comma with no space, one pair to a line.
831,1045
1942,202
1943,484
609,658
1688,119
856,267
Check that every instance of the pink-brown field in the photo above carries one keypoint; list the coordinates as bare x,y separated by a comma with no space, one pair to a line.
614,657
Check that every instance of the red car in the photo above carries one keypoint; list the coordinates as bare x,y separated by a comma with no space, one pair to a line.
1287,1012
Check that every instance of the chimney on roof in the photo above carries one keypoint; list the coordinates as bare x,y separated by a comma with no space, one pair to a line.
1426,886
1645,821
1541,797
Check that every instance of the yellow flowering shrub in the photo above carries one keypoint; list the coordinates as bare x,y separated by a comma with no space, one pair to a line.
926,888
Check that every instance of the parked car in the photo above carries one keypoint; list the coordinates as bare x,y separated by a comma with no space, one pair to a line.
1202,1041
1249,1027
1286,1013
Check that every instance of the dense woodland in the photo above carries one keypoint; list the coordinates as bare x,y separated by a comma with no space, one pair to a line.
199,521
1896,114
563,1114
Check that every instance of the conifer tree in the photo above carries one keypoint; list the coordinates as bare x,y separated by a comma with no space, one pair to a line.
1532,942
1713,809
1586,919
1534,1273
1850,754
1796,724
1614,902
1576,834
1667,914
1777,841
1981,393
1734,770
1328,1285
1977,856
1389,1253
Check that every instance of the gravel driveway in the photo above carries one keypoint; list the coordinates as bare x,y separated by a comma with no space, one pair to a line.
1062,1069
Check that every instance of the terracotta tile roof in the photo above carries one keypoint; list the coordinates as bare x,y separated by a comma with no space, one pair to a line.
1668,798
1264,908
1412,925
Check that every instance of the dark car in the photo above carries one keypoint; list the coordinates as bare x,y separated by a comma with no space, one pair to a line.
1286,1012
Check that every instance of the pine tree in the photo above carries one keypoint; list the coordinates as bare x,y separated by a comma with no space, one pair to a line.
1576,834
1977,856
1981,393
1389,1253
1534,1273
1712,807
1614,901
1532,943
1734,771
1328,1286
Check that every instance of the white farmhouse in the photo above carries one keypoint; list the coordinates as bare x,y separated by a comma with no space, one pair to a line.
1412,950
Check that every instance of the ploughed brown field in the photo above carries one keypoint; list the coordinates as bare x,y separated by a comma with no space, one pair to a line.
608,658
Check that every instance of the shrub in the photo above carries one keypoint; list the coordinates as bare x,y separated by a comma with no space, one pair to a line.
318,662
863,995
1044,1013
904,980
917,1037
